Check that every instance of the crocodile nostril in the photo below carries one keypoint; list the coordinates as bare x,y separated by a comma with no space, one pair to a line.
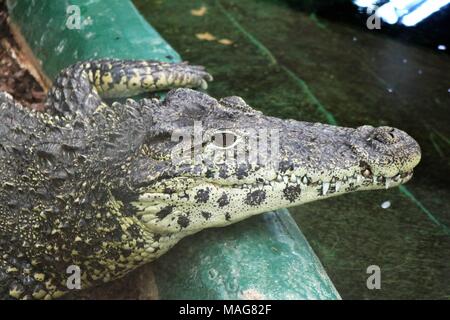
384,135
391,133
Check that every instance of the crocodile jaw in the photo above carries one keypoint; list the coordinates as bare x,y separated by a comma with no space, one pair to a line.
222,205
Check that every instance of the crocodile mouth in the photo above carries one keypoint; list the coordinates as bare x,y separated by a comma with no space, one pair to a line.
346,183
366,180
325,184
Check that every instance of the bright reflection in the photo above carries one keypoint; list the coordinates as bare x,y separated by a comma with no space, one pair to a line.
407,12
387,13
423,11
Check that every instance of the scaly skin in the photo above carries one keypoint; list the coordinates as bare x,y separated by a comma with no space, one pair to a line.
99,186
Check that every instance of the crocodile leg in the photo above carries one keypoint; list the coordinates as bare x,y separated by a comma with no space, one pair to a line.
81,87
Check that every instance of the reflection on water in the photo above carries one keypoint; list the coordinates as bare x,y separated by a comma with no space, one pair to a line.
318,66
406,12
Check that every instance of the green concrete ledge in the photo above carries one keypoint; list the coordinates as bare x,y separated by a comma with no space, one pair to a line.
265,257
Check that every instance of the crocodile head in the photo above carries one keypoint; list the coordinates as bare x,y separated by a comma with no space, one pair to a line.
218,162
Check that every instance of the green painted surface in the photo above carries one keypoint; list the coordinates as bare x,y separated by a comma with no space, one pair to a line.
265,256
291,64
111,28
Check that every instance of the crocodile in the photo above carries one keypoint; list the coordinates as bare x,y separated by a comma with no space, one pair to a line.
106,183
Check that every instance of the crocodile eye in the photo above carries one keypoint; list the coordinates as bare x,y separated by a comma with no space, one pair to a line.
224,139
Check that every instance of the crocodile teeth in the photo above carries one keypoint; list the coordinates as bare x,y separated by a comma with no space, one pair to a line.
332,187
293,178
387,183
325,187
279,178
358,179
338,186
366,173
285,179
305,180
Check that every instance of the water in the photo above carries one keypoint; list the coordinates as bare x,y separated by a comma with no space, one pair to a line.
329,67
